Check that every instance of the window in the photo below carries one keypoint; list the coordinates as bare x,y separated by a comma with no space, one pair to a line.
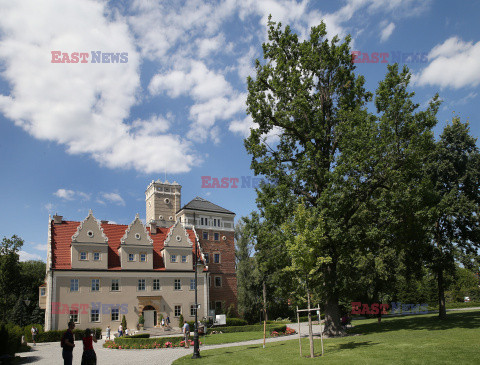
95,315
96,256
216,258
177,285
42,292
218,281
178,310
203,221
141,284
218,307
192,310
156,284
216,236
131,257
205,235
74,285
215,222
206,257
115,286
143,257
83,255
173,258
95,284
192,284
74,315
184,258
115,314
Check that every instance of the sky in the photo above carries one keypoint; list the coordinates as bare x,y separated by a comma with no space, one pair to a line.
87,135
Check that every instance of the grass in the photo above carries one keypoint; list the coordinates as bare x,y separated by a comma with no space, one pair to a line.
422,339
231,337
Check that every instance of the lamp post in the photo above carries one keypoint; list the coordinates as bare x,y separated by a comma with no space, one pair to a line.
196,350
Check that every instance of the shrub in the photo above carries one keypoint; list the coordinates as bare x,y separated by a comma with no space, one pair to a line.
144,343
27,331
141,319
10,339
124,323
140,335
181,321
250,328
56,336
236,322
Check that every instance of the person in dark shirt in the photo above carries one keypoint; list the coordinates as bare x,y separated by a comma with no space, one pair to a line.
89,357
68,343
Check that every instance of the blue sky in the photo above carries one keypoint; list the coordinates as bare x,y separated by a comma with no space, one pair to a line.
80,136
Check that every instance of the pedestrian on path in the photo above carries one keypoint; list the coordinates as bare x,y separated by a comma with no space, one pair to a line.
68,343
89,356
186,333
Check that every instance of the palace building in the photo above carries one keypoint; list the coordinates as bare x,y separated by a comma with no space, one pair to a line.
97,271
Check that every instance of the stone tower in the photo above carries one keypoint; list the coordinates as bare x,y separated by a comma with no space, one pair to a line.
163,202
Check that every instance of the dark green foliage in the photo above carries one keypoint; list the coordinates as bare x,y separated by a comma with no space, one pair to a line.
28,333
181,321
56,336
144,341
10,339
124,323
140,335
250,328
236,322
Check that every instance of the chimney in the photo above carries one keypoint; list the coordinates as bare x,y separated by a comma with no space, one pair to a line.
153,227
104,222
57,219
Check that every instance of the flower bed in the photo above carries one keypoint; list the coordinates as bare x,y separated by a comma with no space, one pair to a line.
146,343
288,331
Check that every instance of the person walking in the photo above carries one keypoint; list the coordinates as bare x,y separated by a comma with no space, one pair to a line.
108,332
186,334
34,331
68,343
89,356
167,322
120,331
163,323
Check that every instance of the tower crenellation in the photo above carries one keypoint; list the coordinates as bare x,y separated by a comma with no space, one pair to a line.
162,200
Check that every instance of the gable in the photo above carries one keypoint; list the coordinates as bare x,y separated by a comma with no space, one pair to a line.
90,231
136,234
178,237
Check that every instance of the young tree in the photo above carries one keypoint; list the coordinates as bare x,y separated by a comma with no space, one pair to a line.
455,211
9,275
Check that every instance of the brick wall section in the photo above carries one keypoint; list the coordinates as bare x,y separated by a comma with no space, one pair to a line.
225,269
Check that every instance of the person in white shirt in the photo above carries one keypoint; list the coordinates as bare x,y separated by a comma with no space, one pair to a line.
120,331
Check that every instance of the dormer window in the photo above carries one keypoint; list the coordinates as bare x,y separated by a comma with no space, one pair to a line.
143,257
173,258
90,234
96,256
137,236
83,255
184,258
178,238
131,257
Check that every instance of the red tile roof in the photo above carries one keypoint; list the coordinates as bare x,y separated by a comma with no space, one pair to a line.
61,235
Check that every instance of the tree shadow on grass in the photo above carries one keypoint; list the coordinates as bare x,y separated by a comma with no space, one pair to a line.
467,320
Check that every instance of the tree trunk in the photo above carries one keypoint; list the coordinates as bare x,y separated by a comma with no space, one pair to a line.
442,311
333,325
310,331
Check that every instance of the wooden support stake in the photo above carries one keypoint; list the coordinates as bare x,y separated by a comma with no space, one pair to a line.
299,336
321,330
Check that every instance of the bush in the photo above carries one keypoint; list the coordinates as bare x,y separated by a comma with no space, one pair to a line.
140,335
250,328
124,323
27,331
141,320
181,321
56,336
236,322
10,339
128,342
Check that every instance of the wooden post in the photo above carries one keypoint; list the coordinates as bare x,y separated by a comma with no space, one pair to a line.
264,312
299,336
320,322
310,331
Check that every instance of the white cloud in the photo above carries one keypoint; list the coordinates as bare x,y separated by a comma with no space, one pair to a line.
114,198
246,64
49,207
387,31
82,106
454,63
208,46
41,247
26,256
67,194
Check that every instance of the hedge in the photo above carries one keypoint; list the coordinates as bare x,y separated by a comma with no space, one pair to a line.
128,341
10,339
27,332
140,335
250,328
230,323
56,336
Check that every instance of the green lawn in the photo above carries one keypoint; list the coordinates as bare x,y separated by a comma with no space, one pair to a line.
231,337
402,340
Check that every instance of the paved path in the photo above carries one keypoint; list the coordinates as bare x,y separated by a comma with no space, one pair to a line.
51,353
